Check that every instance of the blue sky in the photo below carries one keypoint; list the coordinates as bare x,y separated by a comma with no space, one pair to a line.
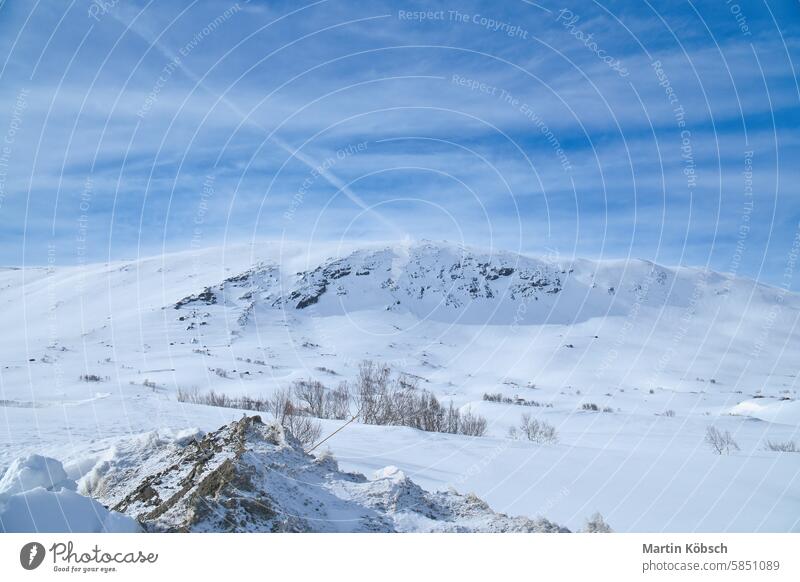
596,129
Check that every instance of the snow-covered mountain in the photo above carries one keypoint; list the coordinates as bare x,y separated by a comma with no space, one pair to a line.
100,351
455,284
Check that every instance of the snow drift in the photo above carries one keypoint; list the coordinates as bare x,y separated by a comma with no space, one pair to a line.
37,496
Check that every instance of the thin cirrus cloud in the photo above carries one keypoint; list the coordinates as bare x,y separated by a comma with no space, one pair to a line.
444,128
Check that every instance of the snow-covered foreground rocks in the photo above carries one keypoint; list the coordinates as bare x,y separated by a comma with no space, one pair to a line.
252,476
37,496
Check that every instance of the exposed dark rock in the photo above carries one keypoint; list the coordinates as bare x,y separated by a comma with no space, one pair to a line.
252,476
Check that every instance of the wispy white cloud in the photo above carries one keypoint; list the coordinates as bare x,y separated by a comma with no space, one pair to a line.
441,158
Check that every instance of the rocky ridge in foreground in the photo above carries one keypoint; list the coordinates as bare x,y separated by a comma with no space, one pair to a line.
254,476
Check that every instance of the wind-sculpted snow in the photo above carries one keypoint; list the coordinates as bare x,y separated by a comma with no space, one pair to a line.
37,496
252,476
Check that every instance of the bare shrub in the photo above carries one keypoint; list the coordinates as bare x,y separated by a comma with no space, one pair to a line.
406,405
427,413
371,392
212,398
337,402
472,424
721,443
252,403
782,447
282,405
288,412
311,396
452,420
669,413
384,399
380,398
185,396
293,415
304,428
538,431
591,406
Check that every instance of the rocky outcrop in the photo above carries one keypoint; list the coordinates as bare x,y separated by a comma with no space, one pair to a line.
254,476
422,276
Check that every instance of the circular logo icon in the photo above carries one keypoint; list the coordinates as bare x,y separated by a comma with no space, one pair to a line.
31,555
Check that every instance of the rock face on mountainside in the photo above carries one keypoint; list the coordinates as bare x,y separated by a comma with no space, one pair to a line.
426,279
454,284
250,476
429,270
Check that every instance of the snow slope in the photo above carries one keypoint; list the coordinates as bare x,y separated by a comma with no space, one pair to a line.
635,338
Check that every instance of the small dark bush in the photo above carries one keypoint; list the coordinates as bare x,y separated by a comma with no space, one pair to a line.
783,447
498,397
91,378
